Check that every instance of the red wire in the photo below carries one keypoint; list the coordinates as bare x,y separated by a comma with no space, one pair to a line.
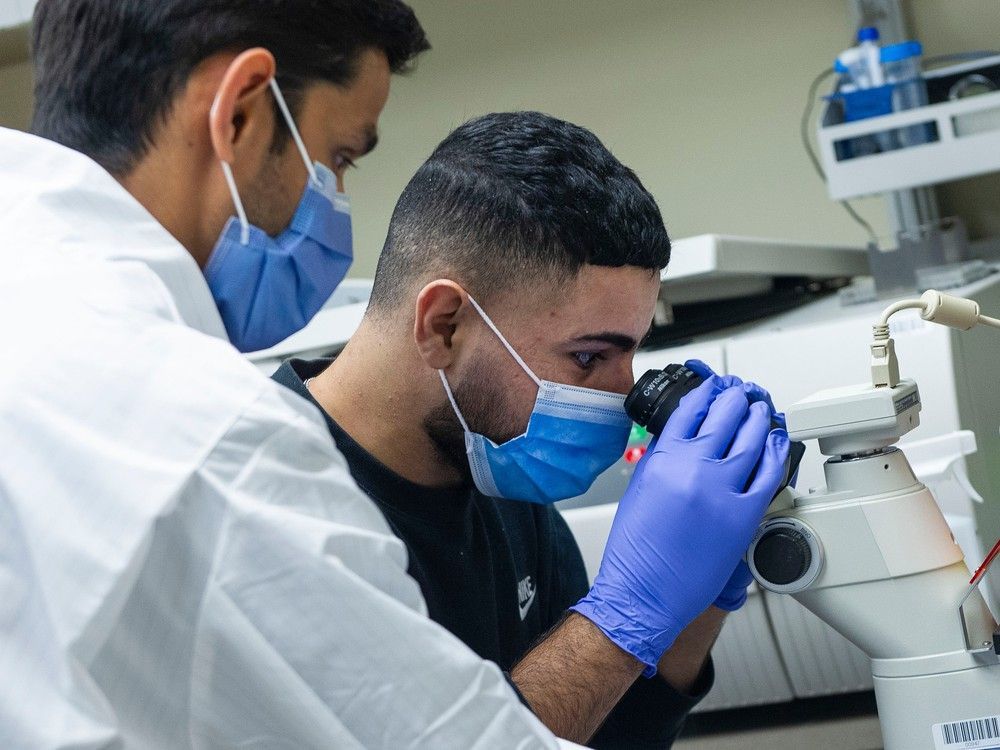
981,570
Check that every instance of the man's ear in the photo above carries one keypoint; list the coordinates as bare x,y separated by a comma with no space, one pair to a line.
234,119
441,306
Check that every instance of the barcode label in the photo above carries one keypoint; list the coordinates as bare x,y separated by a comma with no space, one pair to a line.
974,734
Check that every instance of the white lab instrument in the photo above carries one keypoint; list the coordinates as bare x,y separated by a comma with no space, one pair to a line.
713,267
795,654
871,554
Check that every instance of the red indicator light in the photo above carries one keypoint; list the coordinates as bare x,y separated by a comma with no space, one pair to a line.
632,455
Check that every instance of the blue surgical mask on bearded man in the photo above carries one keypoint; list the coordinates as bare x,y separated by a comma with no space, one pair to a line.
573,435
267,288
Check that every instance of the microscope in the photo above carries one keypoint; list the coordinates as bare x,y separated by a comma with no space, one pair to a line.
871,555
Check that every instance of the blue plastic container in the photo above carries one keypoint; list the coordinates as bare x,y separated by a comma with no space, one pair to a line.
904,89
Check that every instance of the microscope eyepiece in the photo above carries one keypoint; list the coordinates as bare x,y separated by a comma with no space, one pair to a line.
657,394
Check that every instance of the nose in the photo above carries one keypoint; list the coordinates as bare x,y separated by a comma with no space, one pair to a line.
624,377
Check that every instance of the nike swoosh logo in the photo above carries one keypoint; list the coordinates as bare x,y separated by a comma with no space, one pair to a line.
523,608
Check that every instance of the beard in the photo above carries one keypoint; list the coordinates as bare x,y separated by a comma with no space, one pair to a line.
269,201
483,403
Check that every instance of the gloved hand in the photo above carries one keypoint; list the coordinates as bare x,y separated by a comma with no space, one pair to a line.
685,520
753,391
734,593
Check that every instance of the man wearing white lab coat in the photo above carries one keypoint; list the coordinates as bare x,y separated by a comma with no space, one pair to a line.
184,558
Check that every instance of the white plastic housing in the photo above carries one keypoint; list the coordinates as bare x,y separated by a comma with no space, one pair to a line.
856,419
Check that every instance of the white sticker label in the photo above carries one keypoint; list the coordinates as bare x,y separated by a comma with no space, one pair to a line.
972,734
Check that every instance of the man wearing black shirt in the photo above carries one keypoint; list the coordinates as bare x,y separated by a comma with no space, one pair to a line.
497,573
522,236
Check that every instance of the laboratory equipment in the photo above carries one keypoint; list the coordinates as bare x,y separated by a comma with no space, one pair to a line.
871,554
863,93
864,60
931,251
791,652
949,153
658,393
878,82
754,278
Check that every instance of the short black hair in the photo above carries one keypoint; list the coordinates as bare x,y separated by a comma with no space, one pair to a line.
514,196
107,71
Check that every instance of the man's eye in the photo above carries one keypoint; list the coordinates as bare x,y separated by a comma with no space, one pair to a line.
342,162
586,360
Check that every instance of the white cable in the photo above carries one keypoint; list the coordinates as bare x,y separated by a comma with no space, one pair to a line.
906,304
944,309
935,307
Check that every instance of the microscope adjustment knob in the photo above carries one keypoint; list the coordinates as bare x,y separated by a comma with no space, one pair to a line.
785,555
782,556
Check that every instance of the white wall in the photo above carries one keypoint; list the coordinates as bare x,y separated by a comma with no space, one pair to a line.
701,97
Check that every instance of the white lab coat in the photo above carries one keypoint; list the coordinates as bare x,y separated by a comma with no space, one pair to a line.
185,560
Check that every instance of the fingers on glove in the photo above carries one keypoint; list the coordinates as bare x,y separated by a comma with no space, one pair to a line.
771,469
699,368
705,372
687,418
725,416
748,445
755,393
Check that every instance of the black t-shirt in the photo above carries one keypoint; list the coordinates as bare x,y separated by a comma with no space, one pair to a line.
498,574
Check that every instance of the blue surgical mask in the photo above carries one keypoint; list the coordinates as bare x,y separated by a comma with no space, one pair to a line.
267,288
573,435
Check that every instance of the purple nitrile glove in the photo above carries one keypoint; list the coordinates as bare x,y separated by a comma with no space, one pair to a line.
686,519
753,391
734,593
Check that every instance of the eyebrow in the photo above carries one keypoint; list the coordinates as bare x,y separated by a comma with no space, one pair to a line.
618,340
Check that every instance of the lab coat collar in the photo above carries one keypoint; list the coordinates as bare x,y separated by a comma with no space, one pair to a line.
58,198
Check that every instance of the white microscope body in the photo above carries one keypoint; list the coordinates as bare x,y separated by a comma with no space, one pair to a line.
871,555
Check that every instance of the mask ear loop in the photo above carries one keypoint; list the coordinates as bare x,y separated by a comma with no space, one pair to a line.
514,354
280,99
454,404
227,171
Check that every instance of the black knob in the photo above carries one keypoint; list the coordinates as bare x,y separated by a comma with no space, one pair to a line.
782,556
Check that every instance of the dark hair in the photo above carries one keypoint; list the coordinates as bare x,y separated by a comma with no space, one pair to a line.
512,196
107,71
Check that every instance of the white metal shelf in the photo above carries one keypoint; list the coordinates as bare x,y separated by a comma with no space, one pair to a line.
953,156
